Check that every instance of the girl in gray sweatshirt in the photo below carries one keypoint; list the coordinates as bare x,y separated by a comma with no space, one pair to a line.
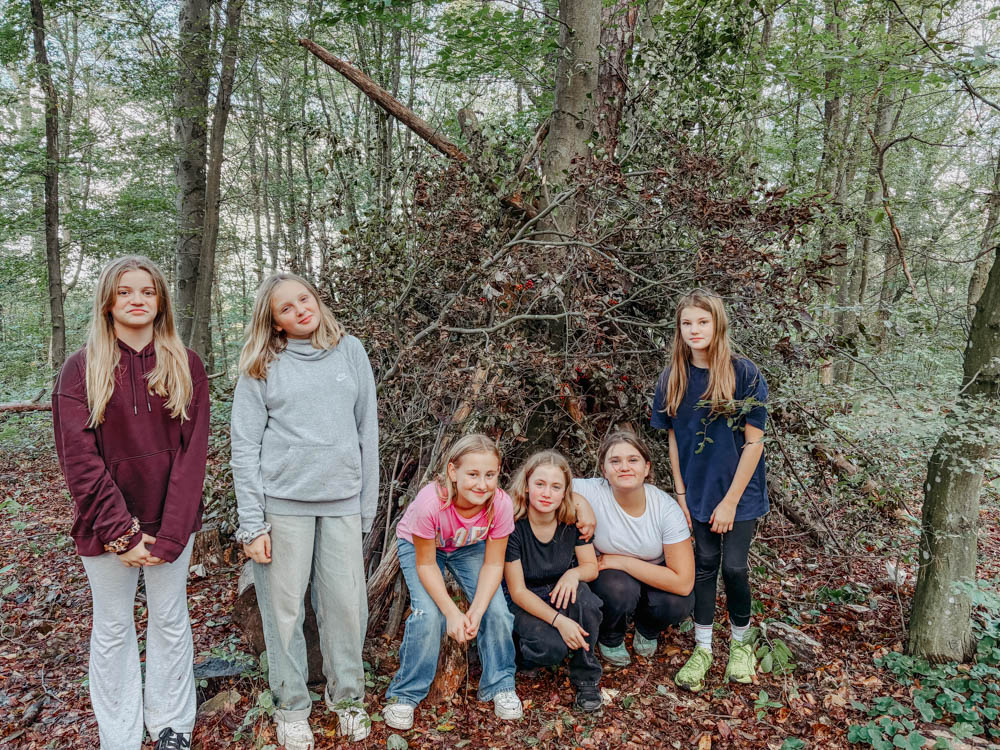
305,466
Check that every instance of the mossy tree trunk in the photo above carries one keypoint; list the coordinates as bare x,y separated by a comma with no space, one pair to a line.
941,618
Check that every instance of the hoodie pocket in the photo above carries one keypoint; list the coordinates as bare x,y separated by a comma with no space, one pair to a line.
316,472
143,481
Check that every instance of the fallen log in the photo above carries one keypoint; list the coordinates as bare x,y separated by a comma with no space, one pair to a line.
19,406
453,661
246,615
798,516
844,468
412,120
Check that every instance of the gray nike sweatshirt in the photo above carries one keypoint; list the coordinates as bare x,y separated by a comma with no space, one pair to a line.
305,440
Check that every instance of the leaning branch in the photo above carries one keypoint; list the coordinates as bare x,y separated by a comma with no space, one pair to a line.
410,119
896,234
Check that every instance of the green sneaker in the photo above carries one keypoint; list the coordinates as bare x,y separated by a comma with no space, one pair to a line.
692,675
742,663
644,646
616,656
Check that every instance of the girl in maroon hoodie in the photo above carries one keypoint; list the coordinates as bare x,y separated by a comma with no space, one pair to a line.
131,429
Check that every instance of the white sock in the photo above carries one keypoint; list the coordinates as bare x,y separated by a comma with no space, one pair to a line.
739,631
703,636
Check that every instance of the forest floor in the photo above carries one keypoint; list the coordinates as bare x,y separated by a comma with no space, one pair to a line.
848,602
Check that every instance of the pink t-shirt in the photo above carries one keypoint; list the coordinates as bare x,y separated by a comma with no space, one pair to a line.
450,529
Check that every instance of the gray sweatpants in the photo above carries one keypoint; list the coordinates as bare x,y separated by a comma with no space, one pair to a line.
115,678
327,550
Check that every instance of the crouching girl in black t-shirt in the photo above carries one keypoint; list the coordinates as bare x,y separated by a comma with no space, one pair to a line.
547,563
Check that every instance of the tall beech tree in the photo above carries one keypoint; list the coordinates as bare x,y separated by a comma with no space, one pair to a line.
940,622
57,346
572,124
191,142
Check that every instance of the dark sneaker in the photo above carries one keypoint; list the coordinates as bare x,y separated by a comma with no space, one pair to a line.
588,699
171,740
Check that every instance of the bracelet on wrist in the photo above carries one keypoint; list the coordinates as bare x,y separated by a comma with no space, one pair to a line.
553,623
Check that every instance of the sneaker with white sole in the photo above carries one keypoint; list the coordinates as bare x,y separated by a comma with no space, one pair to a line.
616,656
506,705
355,724
398,716
643,646
295,735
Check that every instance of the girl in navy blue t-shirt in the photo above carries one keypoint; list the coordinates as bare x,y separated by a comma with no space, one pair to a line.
712,405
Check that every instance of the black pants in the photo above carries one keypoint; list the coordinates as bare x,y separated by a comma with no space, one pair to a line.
731,550
539,643
626,598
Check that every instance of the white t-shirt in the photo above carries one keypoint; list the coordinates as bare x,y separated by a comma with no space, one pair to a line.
642,537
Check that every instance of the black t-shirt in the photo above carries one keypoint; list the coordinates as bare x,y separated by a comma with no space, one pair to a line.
543,563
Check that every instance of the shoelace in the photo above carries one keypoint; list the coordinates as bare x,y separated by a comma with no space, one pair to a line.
171,740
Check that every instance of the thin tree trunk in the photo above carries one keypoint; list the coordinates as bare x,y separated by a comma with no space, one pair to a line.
828,180
981,270
255,204
940,622
191,113
202,330
617,36
57,347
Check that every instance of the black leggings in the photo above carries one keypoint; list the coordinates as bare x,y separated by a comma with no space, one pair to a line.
732,549
626,598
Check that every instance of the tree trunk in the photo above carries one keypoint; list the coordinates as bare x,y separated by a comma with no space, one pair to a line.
190,134
828,180
980,271
573,108
940,622
201,334
57,348
617,36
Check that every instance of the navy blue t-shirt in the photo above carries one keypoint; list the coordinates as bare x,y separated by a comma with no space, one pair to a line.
710,446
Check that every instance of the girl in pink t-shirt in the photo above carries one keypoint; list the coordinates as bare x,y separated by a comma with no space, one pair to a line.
461,522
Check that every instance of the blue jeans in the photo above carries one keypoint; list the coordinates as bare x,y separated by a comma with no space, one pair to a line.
426,625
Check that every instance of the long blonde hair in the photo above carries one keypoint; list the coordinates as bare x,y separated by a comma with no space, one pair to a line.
170,379
721,374
566,512
264,343
474,443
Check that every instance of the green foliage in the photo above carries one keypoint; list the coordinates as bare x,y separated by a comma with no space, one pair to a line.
967,696
763,704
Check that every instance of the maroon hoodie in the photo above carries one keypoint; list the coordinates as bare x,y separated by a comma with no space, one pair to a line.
139,462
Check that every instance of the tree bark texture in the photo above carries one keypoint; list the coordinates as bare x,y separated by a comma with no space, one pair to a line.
940,623
57,349
191,142
617,36
982,267
201,331
453,661
573,110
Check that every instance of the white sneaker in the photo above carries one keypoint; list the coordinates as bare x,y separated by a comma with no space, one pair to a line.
398,716
506,705
295,735
354,723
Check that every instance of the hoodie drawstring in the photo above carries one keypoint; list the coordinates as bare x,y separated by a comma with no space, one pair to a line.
131,380
145,385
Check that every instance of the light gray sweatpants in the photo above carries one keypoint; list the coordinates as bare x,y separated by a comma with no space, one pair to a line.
327,550
115,678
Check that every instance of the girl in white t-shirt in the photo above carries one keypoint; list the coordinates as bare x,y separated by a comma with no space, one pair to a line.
646,562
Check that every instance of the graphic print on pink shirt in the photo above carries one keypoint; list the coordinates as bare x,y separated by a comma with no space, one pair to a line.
450,530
